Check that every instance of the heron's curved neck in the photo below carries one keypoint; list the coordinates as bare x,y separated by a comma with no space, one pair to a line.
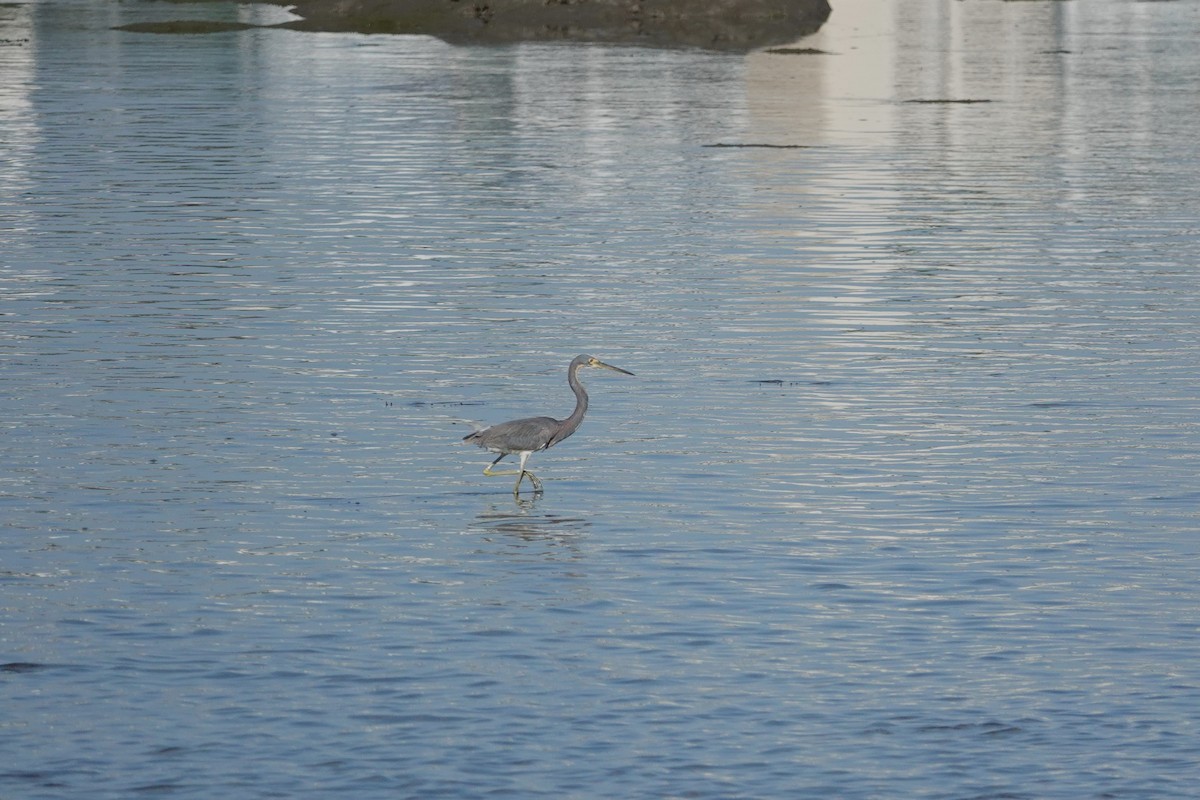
581,403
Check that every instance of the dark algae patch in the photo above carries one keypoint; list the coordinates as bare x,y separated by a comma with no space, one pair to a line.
760,144
798,51
947,101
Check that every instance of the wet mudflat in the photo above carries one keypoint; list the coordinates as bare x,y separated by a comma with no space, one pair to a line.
901,501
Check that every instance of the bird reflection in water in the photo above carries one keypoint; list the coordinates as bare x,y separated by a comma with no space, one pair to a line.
524,529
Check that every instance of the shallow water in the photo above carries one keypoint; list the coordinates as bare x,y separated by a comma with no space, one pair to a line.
902,501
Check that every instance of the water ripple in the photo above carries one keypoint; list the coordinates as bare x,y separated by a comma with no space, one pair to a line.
900,502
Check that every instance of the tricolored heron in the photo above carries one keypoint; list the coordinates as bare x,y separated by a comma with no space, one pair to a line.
525,436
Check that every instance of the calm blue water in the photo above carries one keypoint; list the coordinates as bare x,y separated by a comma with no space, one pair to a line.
902,502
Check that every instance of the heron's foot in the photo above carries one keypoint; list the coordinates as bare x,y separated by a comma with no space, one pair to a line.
533,480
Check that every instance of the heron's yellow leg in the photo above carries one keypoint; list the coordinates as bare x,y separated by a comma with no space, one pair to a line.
490,472
521,473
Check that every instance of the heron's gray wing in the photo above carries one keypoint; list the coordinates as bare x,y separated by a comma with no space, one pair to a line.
516,436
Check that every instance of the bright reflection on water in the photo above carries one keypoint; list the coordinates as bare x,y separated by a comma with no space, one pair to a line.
901,503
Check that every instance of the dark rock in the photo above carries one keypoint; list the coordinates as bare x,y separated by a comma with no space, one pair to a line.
737,25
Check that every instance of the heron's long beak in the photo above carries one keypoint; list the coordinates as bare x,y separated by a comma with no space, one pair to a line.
598,363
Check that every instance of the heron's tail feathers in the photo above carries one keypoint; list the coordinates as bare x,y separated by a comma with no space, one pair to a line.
476,428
